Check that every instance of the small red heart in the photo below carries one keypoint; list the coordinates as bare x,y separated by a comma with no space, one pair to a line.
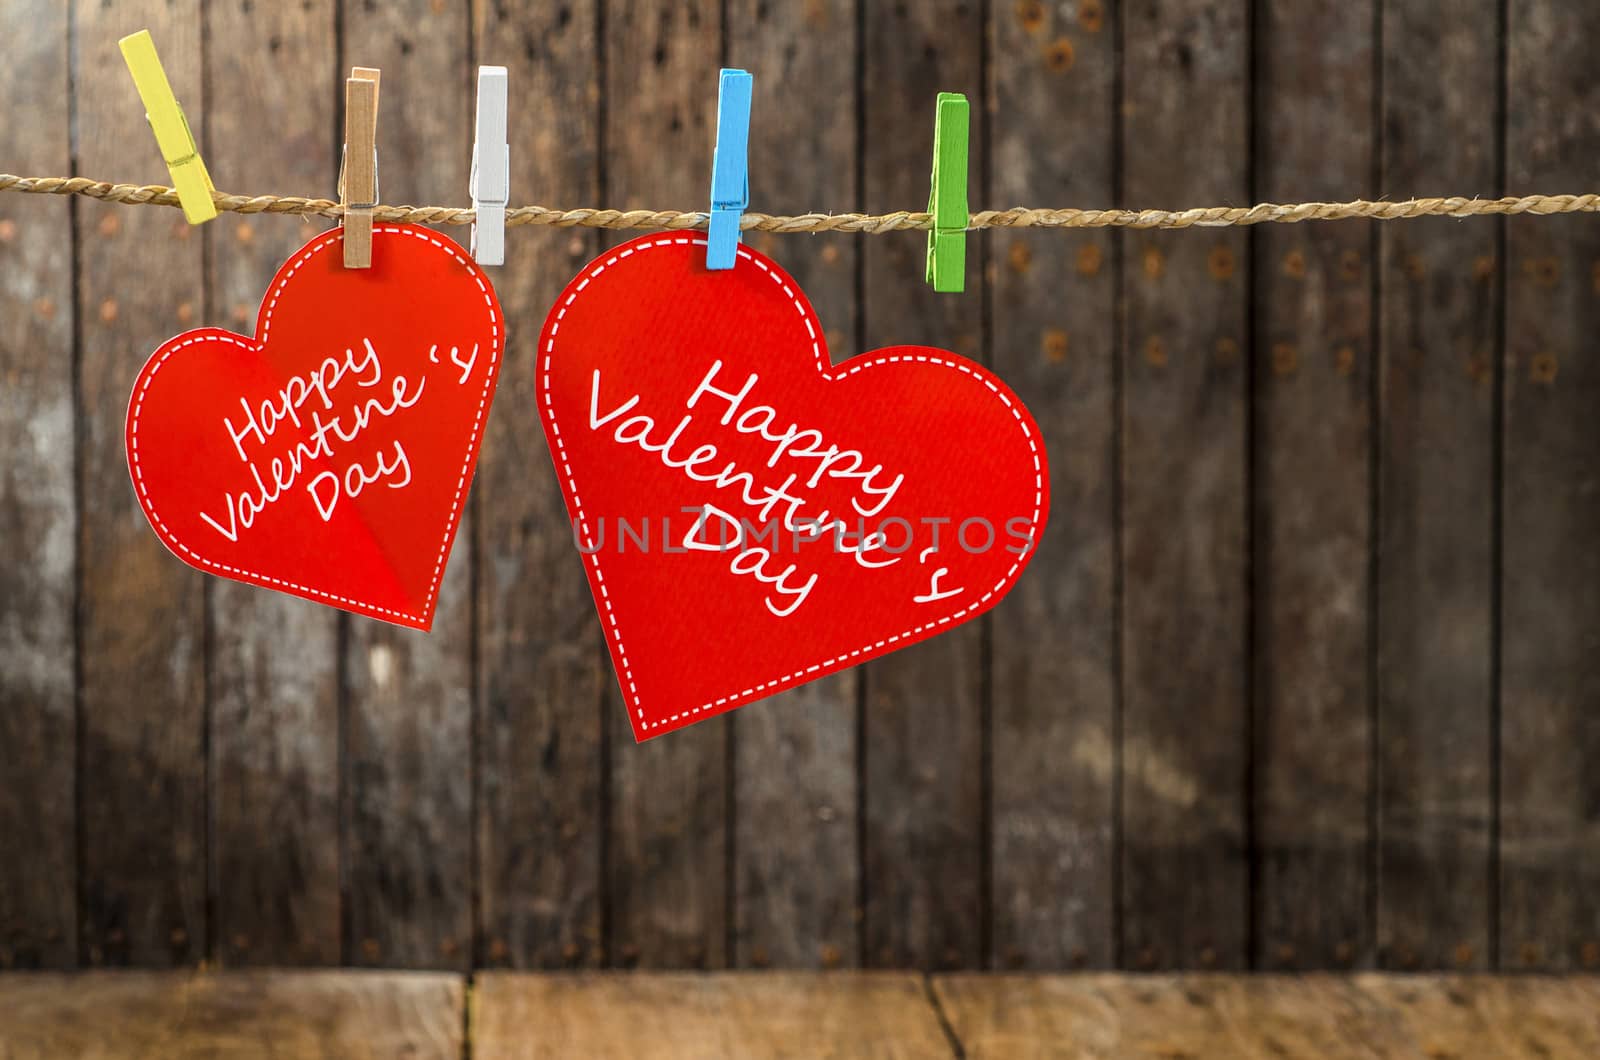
687,410
328,457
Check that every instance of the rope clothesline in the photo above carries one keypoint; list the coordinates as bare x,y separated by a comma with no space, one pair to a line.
1018,217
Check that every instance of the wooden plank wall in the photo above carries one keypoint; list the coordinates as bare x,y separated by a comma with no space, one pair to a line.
143,782
1303,675
539,736
38,880
796,876
1437,446
1548,875
274,688
1054,335
408,696
1185,622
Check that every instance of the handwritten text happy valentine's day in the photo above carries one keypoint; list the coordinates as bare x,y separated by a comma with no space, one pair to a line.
321,420
776,503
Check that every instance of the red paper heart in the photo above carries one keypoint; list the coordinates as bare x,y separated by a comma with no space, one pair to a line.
646,337
328,457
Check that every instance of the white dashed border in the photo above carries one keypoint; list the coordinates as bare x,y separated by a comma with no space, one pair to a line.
160,357
855,364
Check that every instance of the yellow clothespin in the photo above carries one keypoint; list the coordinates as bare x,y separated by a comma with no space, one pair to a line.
358,172
178,149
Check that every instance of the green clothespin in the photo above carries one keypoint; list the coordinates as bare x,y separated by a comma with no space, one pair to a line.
947,201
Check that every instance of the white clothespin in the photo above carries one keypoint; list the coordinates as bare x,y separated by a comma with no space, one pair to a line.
491,169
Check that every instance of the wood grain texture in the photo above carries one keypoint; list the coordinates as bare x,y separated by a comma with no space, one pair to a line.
1054,341
1313,353
875,1014
274,674
1436,494
141,790
1305,1017
1160,1017
796,869
923,828
540,726
1484,1018
1550,682
1185,630
38,514
669,824
408,774
244,1015
662,1016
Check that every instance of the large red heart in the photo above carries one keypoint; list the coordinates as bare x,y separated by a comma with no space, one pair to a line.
329,457
687,410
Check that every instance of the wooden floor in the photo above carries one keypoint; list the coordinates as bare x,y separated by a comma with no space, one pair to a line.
501,1015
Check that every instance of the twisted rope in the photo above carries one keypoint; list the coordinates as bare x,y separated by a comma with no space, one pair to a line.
1018,217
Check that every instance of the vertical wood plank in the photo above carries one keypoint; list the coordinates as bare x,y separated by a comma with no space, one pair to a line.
923,827
1054,340
38,516
1440,331
540,816
1312,514
796,871
1550,691
1185,877
408,835
274,667
668,874
141,780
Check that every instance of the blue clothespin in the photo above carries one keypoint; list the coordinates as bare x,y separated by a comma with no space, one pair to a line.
730,175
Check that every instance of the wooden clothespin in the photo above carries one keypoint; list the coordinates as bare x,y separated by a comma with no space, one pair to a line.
358,171
491,169
173,136
730,175
947,200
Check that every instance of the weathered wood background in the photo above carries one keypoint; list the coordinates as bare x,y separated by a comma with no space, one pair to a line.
1306,673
